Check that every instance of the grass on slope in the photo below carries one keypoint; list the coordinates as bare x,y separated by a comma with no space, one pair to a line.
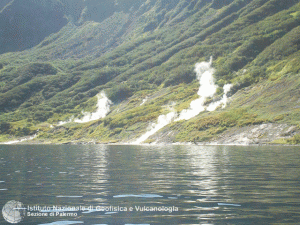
258,46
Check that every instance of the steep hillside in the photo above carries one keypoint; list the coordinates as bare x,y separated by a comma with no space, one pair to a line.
24,25
142,55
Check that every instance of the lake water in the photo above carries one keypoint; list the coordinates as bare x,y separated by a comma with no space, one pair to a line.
171,184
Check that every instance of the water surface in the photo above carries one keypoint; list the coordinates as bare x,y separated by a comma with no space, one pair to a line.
206,184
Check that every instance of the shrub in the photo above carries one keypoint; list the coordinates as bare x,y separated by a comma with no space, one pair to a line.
119,92
5,127
295,139
181,74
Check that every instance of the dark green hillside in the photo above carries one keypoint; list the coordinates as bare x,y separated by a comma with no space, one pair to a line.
135,50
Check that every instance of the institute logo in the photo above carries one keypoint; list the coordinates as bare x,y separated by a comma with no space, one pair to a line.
13,212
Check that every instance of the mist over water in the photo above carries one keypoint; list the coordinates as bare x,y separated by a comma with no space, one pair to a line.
103,108
207,88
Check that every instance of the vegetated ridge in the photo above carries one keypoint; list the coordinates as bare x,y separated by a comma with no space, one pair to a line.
57,56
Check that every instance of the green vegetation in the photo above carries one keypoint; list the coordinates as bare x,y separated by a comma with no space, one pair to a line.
148,49
207,127
295,140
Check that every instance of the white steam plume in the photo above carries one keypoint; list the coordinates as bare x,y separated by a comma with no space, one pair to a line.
60,123
144,101
223,101
20,140
162,121
207,88
103,108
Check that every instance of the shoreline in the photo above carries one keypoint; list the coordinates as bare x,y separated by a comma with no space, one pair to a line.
266,134
154,144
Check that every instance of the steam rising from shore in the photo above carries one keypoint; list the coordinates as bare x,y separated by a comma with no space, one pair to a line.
223,101
162,121
207,88
20,140
103,108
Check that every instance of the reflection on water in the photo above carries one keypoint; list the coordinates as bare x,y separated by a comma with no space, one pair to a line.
62,196
153,184
63,223
228,204
139,196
